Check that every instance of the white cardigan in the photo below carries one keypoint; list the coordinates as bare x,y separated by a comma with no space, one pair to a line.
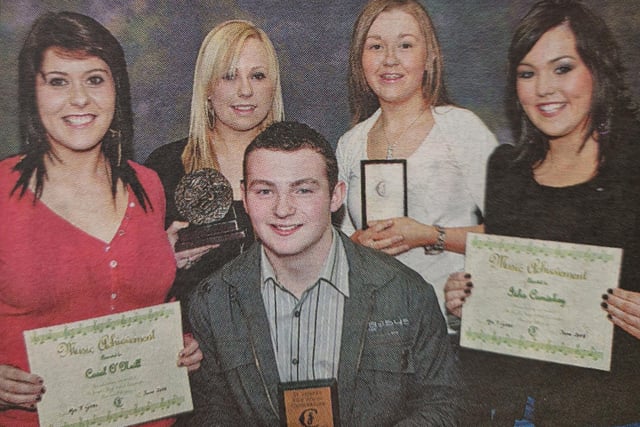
445,180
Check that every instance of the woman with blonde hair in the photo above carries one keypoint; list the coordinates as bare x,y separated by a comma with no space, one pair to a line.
236,94
400,110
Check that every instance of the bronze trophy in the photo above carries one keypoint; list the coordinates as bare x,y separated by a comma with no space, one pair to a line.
204,197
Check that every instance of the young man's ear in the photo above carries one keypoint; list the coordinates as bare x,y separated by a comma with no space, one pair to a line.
338,196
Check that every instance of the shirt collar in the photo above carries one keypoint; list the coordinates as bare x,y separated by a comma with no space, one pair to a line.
335,270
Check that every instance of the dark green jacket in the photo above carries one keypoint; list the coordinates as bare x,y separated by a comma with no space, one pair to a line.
396,364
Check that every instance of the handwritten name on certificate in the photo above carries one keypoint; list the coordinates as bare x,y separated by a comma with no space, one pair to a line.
539,299
112,370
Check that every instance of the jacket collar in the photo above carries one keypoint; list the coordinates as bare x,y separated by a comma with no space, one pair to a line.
243,279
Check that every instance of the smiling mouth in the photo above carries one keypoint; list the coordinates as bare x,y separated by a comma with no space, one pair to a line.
552,108
391,77
285,230
79,120
244,108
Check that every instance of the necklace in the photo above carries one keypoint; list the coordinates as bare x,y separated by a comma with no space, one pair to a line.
390,146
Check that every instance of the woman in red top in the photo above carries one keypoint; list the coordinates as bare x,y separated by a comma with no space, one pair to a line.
82,232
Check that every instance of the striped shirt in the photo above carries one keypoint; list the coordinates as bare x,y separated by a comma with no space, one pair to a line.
306,333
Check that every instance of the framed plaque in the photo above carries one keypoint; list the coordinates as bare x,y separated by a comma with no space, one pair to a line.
384,189
309,403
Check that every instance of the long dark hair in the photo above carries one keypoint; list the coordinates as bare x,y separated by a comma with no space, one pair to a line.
78,35
611,107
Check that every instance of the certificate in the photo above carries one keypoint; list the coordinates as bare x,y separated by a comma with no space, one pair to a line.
114,370
384,189
539,299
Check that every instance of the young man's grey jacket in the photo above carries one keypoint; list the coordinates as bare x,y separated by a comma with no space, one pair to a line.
396,364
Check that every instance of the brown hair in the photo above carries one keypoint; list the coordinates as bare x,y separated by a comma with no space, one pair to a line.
294,136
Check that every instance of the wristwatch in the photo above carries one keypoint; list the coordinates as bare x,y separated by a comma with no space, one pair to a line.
438,246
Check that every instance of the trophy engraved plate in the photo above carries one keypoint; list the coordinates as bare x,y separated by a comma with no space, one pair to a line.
384,189
204,197
309,403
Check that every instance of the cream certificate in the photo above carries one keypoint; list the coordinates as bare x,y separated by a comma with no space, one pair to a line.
113,370
539,299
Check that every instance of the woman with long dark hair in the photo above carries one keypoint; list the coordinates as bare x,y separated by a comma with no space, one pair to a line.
82,232
572,176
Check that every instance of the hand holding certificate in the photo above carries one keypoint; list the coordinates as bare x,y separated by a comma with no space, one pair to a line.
112,370
540,299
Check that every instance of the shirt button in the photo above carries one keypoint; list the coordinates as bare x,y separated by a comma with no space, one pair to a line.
113,263
132,205
107,248
114,295
121,233
296,313
294,361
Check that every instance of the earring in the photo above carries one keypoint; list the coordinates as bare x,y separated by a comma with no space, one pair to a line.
603,127
115,134
211,120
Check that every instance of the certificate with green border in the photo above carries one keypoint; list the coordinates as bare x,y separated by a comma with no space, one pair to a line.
111,371
539,299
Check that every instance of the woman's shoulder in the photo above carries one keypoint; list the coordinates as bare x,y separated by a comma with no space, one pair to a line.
464,128
9,163
150,181
502,159
166,154
456,116
357,134
504,153
7,166
145,174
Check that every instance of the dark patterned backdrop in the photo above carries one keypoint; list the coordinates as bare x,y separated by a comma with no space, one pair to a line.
161,40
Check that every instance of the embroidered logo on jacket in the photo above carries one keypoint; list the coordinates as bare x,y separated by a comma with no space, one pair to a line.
388,325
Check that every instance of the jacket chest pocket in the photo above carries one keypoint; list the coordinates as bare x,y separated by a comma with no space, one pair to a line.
384,379
395,358
235,355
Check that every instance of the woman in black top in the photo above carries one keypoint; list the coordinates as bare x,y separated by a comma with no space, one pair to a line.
573,176
236,94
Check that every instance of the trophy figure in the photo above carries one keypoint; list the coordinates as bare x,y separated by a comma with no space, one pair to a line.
204,197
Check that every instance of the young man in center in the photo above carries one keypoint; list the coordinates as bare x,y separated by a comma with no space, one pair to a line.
305,305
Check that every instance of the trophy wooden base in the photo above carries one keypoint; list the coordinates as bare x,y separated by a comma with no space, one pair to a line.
195,236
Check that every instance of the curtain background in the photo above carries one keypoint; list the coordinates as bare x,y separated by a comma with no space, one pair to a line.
161,40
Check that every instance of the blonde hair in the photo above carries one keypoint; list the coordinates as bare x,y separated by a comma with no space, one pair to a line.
362,100
218,54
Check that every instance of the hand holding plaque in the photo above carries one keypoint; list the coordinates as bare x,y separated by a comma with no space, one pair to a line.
204,197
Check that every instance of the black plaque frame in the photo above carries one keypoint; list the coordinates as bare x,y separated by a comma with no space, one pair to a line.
371,172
